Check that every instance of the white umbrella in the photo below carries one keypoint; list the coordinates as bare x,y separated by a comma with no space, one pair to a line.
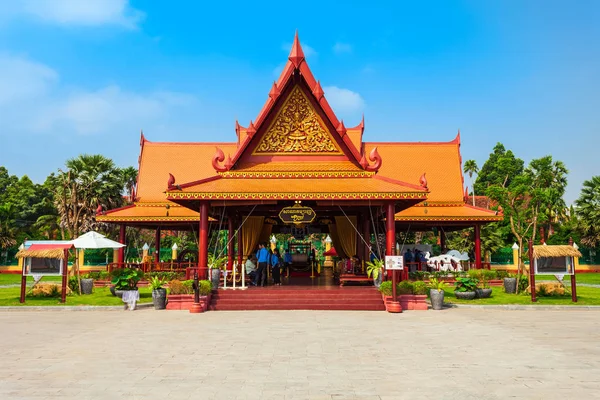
95,240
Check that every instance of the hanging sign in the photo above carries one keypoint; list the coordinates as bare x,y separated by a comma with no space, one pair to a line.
394,262
297,214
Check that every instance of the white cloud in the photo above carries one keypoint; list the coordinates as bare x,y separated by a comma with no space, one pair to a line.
340,48
22,79
31,101
79,12
344,101
309,52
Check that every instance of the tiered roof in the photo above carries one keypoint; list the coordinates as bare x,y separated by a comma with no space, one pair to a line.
297,148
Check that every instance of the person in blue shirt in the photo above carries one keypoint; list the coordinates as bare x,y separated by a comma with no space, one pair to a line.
275,265
263,257
287,260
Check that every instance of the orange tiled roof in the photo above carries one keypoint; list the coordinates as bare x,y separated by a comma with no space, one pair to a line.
299,188
186,161
441,162
149,213
448,212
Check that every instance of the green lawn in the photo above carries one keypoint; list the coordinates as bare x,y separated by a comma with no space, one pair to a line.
100,297
593,278
586,296
15,279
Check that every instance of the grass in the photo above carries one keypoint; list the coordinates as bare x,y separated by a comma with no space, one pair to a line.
586,296
15,279
100,297
591,278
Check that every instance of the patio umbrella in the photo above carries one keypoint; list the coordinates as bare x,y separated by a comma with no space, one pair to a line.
331,252
95,240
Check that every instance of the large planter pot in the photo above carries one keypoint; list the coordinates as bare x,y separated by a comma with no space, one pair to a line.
179,301
215,277
437,299
483,293
159,298
465,295
87,286
112,290
510,285
377,282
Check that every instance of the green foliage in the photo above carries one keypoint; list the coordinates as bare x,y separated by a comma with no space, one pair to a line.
500,274
205,287
437,284
386,288
374,268
156,283
73,283
216,262
405,287
483,276
466,284
97,275
522,283
588,212
181,287
165,275
500,168
418,275
126,278
419,288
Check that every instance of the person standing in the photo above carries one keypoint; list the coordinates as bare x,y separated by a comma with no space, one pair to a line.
275,265
287,259
262,256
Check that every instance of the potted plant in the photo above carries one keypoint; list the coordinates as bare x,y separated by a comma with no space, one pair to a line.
374,269
465,288
205,291
484,291
87,284
436,293
215,264
126,280
159,293
180,295
510,284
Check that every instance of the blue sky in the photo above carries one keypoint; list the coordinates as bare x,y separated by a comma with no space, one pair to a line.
86,76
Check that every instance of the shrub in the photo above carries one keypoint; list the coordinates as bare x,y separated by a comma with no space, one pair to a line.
523,283
549,289
73,283
418,275
419,287
466,284
205,287
500,274
166,275
436,284
47,290
386,288
180,287
126,278
405,287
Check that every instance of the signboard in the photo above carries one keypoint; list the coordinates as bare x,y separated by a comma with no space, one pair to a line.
394,263
43,266
297,215
554,265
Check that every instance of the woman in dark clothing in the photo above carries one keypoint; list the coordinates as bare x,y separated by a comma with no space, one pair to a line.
275,265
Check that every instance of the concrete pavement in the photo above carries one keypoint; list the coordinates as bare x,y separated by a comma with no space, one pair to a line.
450,354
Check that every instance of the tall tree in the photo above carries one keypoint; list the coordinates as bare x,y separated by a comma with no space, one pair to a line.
471,168
588,212
129,177
499,169
88,182
7,230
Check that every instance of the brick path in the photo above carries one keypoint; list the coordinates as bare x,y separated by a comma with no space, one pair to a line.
452,354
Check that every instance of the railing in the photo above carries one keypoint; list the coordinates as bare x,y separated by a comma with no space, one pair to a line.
173,266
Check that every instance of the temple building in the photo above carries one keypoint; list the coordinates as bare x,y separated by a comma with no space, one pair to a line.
297,155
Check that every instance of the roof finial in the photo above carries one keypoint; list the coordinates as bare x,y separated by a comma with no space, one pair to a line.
296,55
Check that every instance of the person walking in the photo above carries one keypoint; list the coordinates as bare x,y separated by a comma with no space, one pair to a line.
275,265
262,256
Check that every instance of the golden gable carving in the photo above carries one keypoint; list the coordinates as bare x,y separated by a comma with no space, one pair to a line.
297,129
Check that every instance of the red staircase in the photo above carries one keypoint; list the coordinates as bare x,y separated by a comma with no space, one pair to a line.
298,298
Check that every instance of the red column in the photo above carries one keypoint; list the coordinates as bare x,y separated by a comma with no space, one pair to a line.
531,272
240,252
477,247
203,239
442,241
390,237
63,293
573,279
230,243
122,241
157,245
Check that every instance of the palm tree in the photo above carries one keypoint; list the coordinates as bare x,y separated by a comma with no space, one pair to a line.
588,212
129,176
89,181
471,168
7,231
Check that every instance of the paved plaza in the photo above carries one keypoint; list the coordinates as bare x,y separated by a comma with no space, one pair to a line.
451,354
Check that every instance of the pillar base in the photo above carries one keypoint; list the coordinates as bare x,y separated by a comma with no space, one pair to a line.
196,308
394,307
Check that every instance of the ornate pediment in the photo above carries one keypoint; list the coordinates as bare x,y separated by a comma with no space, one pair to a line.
297,129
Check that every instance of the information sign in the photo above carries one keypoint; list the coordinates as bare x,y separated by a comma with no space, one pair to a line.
394,262
554,265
